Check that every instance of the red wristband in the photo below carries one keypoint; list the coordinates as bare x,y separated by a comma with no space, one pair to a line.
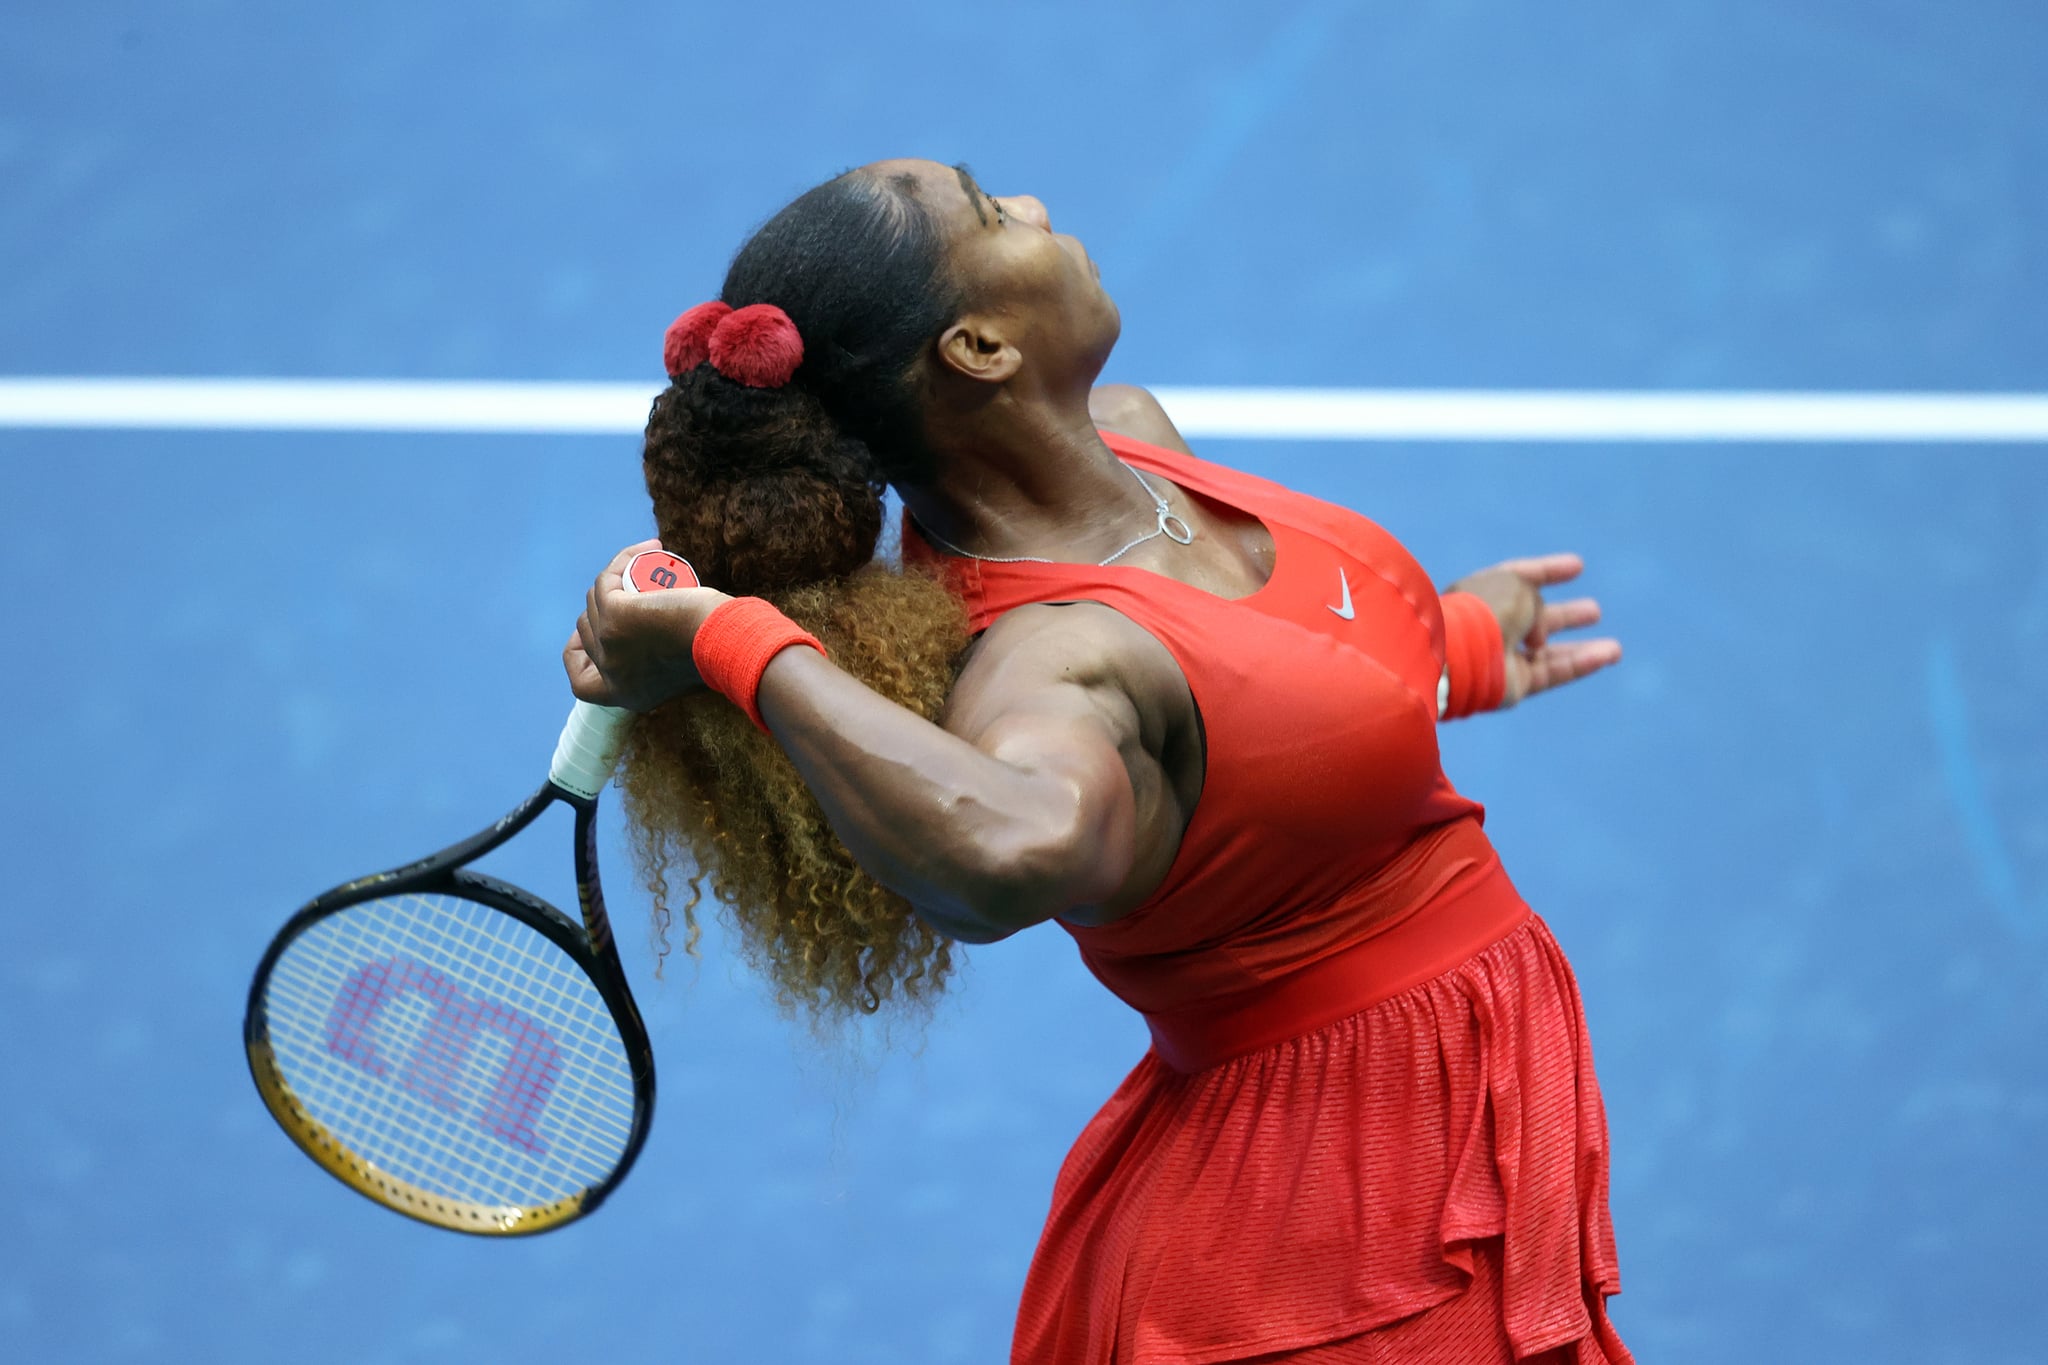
1475,654
734,645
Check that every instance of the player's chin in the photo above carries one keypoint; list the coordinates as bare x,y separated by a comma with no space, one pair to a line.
1108,328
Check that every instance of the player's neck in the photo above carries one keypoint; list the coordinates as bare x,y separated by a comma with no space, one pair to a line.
1029,480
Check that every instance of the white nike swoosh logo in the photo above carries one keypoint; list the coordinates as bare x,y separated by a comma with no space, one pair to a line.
1344,611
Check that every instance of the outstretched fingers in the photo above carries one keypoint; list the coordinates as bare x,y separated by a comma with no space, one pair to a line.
1568,661
1555,616
1536,662
1545,571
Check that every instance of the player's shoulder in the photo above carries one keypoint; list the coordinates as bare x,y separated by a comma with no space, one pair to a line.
1127,410
1082,656
1073,644
1057,639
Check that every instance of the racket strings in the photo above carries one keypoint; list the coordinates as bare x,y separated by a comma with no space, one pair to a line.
453,1047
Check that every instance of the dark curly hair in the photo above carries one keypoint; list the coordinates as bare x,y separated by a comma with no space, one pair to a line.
778,493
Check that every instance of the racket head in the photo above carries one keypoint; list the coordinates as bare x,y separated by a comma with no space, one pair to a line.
452,1047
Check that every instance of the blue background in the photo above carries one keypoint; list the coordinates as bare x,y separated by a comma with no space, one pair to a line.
1797,845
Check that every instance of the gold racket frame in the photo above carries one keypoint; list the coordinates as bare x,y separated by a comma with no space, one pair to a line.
589,944
458,1215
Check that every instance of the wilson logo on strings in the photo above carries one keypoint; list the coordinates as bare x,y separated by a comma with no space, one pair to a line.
436,1066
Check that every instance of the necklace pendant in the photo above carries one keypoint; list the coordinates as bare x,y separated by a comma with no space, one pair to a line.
1174,529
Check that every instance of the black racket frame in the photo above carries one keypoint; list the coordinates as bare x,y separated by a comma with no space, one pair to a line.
590,945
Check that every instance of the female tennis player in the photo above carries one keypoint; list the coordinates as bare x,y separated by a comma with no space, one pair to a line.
1188,715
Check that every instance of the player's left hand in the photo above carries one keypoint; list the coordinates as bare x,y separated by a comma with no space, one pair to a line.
1535,661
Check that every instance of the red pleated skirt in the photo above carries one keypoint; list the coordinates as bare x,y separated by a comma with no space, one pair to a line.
1421,1180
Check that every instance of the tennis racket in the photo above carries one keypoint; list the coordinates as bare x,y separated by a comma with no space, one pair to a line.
456,1048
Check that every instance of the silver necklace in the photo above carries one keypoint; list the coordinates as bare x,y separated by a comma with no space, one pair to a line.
1170,526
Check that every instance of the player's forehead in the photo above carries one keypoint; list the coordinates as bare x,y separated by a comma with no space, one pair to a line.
947,192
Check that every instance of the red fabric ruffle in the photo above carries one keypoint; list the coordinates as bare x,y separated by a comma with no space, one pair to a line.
1345,1180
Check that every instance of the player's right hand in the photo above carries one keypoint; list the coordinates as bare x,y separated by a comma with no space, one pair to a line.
633,649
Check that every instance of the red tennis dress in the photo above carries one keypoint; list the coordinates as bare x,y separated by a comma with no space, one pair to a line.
1367,1129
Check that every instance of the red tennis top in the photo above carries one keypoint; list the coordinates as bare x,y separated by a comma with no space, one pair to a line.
1369,1090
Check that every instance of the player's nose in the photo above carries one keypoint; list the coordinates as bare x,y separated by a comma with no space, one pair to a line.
1029,208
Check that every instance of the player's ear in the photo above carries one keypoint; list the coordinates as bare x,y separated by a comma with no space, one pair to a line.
979,347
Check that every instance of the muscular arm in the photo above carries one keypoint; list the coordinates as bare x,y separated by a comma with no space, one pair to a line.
1042,795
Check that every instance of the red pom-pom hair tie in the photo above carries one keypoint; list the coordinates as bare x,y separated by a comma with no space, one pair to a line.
757,346
688,343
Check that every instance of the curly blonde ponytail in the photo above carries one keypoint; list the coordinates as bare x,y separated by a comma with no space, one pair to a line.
777,492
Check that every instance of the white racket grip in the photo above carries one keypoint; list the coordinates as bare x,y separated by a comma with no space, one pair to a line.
588,751
589,748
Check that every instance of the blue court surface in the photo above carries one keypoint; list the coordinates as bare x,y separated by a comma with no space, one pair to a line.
1796,845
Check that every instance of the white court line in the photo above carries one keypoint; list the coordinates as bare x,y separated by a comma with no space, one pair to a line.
1273,414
